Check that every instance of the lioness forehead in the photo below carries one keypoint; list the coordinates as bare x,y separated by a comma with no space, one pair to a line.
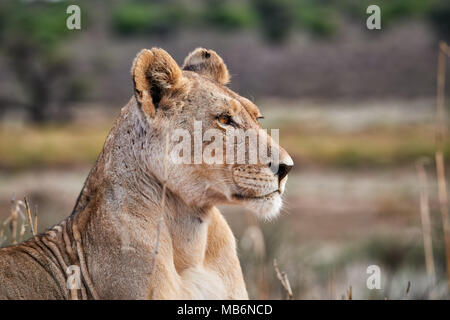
235,101
250,107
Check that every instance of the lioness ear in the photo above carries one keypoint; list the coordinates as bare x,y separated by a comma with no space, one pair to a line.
207,63
154,74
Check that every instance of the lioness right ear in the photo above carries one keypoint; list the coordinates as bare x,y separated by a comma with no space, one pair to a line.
207,63
154,74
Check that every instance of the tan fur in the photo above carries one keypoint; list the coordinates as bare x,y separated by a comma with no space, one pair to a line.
158,66
113,230
207,63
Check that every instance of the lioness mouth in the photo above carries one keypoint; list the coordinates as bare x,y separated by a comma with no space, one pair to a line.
241,197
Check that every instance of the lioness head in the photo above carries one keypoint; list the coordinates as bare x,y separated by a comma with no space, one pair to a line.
192,110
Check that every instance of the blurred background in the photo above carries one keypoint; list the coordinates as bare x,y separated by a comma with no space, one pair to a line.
356,109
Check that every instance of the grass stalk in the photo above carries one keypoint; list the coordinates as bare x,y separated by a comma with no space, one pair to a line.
163,202
426,222
439,157
30,219
284,280
408,289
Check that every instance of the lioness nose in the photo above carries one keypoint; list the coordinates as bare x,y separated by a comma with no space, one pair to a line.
285,165
283,170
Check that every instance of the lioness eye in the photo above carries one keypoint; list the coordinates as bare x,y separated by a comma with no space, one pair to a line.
224,119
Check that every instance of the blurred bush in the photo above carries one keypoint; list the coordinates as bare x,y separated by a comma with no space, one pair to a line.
274,19
320,20
437,12
229,16
142,17
439,16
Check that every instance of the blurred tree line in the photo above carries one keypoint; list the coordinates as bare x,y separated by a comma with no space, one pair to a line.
275,19
32,33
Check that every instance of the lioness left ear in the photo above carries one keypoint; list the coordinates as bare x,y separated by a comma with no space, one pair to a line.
154,73
207,63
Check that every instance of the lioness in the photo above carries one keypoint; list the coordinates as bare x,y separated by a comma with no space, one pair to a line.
128,238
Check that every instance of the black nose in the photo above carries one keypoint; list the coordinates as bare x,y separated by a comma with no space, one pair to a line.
283,170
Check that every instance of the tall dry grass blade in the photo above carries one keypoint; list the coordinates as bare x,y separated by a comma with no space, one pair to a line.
30,219
13,221
22,232
408,289
426,222
445,48
163,202
36,218
443,204
282,276
2,237
331,283
440,166
440,95
2,234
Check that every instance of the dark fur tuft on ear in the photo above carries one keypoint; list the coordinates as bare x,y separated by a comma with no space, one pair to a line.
154,73
207,63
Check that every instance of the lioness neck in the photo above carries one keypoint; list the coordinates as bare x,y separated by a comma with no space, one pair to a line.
120,207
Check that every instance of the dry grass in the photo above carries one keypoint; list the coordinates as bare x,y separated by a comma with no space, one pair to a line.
382,147
72,144
426,221
163,203
284,280
408,289
17,218
50,146
441,131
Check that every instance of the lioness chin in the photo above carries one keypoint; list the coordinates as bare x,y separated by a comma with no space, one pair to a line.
121,217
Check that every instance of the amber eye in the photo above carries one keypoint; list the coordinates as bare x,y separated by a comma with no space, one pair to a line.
224,119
